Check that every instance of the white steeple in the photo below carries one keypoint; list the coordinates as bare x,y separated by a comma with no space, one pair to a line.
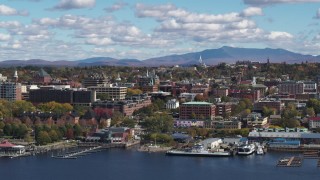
202,64
15,74
118,78
200,60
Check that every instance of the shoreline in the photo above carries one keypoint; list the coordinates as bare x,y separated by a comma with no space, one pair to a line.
145,148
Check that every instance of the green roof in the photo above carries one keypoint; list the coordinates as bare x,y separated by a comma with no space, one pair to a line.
197,103
43,73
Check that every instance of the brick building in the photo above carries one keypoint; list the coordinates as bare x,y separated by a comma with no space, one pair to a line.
269,103
197,110
223,109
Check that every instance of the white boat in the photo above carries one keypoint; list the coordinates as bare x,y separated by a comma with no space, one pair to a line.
198,150
260,150
246,149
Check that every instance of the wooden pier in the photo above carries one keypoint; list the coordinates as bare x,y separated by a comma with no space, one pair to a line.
290,162
76,154
311,154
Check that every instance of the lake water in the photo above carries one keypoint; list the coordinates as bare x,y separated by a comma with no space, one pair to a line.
121,164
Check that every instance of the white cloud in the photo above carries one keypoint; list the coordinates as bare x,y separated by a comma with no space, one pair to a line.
74,4
252,11
116,6
275,35
270,2
9,11
99,41
4,37
9,24
233,27
104,50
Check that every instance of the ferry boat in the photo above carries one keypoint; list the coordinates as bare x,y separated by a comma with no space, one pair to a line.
198,150
246,149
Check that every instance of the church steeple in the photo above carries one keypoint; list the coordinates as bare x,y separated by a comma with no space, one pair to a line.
15,76
202,64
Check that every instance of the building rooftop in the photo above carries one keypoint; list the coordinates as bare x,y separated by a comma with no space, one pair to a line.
197,103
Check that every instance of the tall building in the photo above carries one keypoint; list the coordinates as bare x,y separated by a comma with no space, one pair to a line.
114,93
74,97
3,78
223,109
94,79
197,111
10,91
291,87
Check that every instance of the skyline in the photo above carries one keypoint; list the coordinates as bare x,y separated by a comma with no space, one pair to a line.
77,29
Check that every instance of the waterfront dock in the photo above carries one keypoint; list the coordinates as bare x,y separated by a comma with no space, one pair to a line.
80,153
290,162
311,155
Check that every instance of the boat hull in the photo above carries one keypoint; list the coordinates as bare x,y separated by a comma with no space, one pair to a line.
199,154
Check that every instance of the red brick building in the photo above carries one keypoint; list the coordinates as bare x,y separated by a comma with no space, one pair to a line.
197,111
223,109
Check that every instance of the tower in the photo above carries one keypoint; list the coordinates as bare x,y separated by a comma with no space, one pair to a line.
202,64
15,76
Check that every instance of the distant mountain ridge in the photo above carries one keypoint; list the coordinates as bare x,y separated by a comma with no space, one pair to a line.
209,56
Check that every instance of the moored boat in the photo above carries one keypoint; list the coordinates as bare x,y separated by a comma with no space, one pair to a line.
198,150
246,149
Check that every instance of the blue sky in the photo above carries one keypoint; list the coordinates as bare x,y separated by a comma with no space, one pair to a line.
78,29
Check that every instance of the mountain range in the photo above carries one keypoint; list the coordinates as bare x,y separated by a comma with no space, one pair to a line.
209,56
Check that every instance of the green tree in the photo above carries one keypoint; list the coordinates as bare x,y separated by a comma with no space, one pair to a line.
117,118
159,123
310,112
77,130
53,135
21,106
127,122
21,131
43,138
7,130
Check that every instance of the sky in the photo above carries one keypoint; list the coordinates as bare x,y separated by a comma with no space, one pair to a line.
79,29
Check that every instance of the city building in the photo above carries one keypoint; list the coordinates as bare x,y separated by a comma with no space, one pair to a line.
220,92
116,135
10,91
197,111
223,109
269,103
3,78
71,96
172,104
188,123
255,120
126,107
187,96
314,122
253,95
226,124
114,93
94,80
291,87
149,79
42,77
